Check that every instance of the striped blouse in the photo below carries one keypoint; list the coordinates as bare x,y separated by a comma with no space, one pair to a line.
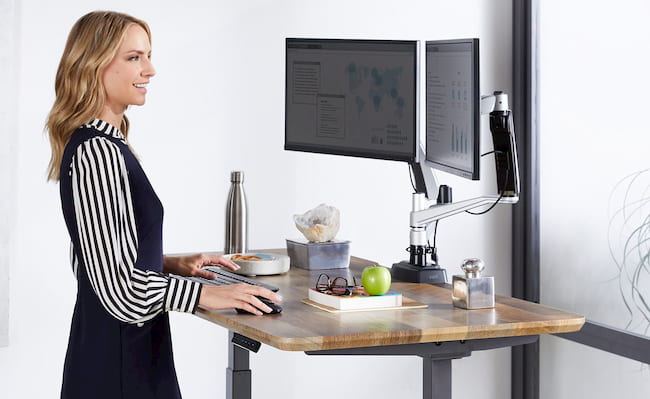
105,218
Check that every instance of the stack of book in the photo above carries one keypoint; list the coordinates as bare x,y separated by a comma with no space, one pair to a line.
357,301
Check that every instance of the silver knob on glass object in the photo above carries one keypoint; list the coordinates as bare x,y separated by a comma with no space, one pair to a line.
472,267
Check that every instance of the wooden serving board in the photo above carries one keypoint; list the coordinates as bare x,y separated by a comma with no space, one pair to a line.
407,303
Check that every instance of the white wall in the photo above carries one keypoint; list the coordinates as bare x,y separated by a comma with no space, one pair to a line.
216,105
594,105
7,156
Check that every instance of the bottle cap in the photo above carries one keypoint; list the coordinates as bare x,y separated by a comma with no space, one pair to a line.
237,176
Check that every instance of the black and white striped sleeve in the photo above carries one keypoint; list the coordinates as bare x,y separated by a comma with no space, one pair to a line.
109,242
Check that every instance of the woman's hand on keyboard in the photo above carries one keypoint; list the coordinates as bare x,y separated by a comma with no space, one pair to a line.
191,266
239,296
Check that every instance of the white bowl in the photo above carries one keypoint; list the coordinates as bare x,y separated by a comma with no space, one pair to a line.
269,264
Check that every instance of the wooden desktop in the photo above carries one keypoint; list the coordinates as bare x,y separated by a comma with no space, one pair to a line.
438,333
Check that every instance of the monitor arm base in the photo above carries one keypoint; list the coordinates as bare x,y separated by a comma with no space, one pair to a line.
429,274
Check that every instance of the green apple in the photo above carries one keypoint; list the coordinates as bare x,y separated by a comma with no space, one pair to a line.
376,280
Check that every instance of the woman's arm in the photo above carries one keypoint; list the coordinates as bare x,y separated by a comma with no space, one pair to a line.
242,296
109,242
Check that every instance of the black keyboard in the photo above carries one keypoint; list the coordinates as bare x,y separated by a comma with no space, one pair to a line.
223,277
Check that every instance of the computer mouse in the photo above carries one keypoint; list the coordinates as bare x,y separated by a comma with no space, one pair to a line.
275,308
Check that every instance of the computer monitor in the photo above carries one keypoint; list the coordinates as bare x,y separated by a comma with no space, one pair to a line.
453,107
352,97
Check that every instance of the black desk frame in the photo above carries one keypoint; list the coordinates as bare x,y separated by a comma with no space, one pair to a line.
436,361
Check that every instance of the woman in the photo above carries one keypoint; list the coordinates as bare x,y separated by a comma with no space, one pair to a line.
120,345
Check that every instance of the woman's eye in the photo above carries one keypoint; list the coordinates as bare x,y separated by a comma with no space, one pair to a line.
134,58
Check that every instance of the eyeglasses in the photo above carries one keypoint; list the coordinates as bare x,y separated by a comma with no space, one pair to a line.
338,286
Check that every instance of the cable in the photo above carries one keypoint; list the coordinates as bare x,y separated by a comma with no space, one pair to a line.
498,199
434,249
415,190
502,191
435,233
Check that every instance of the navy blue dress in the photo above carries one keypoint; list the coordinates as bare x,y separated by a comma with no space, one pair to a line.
120,343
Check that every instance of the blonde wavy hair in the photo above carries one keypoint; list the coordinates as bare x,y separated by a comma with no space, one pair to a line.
91,46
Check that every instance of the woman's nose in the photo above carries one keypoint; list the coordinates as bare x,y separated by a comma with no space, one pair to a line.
148,70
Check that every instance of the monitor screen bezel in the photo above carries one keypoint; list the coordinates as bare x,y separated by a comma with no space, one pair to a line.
475,172
319,149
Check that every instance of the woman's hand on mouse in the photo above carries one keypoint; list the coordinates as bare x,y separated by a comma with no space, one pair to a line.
240,296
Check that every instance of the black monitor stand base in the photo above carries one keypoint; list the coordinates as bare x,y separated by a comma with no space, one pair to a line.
429,274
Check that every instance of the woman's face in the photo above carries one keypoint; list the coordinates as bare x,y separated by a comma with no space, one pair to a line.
126,77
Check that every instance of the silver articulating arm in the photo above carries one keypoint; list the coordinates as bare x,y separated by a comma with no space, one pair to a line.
418,269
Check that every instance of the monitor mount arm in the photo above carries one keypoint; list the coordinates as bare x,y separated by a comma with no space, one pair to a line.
418,269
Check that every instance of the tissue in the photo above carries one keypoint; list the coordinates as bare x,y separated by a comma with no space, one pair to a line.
319,224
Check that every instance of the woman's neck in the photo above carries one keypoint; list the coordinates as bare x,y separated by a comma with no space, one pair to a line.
112,117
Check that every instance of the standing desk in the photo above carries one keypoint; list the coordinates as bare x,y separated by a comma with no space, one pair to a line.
437,334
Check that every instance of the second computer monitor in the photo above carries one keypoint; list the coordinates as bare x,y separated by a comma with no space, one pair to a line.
352,97
453,106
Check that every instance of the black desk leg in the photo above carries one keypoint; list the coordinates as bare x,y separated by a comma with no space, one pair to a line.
436,378
238,373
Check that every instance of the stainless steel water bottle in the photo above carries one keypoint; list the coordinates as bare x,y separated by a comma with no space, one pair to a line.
236,216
